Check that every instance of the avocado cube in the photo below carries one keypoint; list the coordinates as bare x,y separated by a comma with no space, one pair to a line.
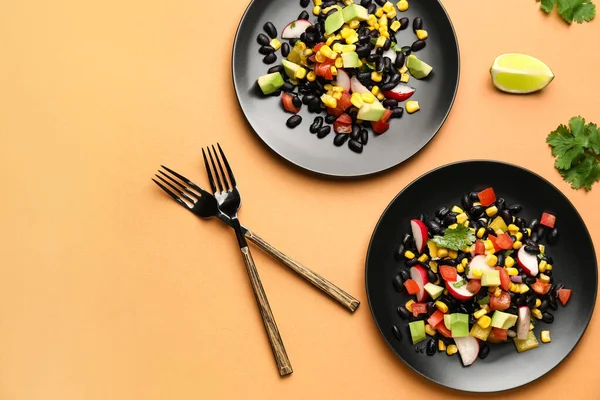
290,68
503,320
448,321
371,112
491,277
460,325
334,22
270,83
418,68
350,59
355,11
417,331
434,291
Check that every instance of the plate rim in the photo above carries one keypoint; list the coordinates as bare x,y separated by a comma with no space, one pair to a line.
332,175
379,221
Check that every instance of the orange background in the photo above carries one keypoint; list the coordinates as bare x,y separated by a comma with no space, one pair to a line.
108,290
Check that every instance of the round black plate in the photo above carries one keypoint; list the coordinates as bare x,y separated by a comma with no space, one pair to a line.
405,137
574,264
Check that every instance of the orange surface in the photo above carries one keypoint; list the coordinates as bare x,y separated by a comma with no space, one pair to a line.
108,290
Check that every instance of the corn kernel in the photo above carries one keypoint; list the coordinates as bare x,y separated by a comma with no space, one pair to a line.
453,254
375,90
387,6
442,253
346,33
499,232
543,265
490,252
333,70
538,303
402,5
512,228
462,217
484,321
434,266
354,24
480,313
497,292
395,26
460,268
301,46
372,20
512,271
509,262
545,336
368,98
383,21
356,100
359,121
451,349
412,106
380,97
316,10
536,313
352,39
423,258
549,267
480,232
408,254
311,76
441,346
477,273
329,42
491,211
403,70
514,288
409,304
328,87
524,288
544,278
327,52
329,101
430,330
337,95
453,226
376,76
491,260
339,62
337,47
486,307
379,12
404,78
392,13
519,235
276,44
488,244
422,34
528,231
441,306
457,209
347,48
517,245
542,248
380,41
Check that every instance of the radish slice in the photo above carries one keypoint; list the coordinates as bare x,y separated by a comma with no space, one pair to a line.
468,348
358,87
343,80
527,261
523,323
460,293
294,29
478,262
420,234
391,54
400,92
419,275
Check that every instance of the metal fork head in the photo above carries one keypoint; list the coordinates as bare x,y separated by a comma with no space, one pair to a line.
187,193
222,181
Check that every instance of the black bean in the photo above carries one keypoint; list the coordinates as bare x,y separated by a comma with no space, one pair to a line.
437,220
507,217
270,30
365,3
399,252
288,87
379,65
541,232
534,225
330,119
403,312
423,217
390,103
501,204
372,8
405,275
324,131
296,101
530,301
520,301
431,276
484,350
434,227
355,132
400,59
396,332
514,238
380,2
303,15
515,208
520,222
534,237
340,139
532,249
304,3
418,45
270,58
362,51
547,318
314,105
450,219
386,77
477,211
328,3
379,51
387,44
552,236
466,202
316,125
530,280
403,23
525,233
548,259
501,259
431,348
285,49
262,39
408,242
307,99
556,288
277,68
544,306
553,304
398,285
474,196
294,121
387,64
397,112
364,136
276,93
387,87
490,231
355,146
417,24
442,212
512,310
407,50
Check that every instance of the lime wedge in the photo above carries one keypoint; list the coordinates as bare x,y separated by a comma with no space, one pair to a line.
520,73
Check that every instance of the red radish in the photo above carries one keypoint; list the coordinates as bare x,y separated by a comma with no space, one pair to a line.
478,262
358,87
343,80
419,275
420,234
468,348
400,92
294,29
460,293
528,262
523,323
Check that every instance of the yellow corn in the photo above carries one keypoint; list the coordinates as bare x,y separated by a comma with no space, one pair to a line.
402,5
542,248
337,47
486,307
408,254
484,321
404,77
460,268
453,254
380,41
497,292
430,330
337,95
549,267
453,226
387,6
328,87
380,97
528,231
339,62
347,48
412,106
409,304
524,288
441,306
369,99
301,46
536,313
316,10
376,76
403,70
327,52
519,235
329,42
538,303
544,278
480,232
441,346
379,12
375,90
329,101
383,21
392,13
354,24
300,73
395,26
451,349
346,33
372,20
423,258
422,34
348,2
491,260
491,211
479,314
333,70
326,10
517,245
488,244
512,228
457,209
461,218
543,265
512,271
514,288
531,326
356,100
311,76
434,266
276,44
352,39
499,232
545,336
509,262
442,253
477,273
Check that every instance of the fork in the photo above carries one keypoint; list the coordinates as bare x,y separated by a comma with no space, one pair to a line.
229,201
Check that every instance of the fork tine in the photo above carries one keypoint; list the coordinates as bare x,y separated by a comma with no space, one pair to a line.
179,184
184,179
221,168
212,161
173,195
188,198
210,177
229,171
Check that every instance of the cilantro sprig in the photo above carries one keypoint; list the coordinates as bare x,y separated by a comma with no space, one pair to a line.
577,152
571,10
455,239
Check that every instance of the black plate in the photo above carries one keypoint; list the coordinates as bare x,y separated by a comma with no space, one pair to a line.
574,264
406,135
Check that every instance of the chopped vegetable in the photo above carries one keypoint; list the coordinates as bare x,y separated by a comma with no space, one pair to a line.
455,239
564,295
571,10
411,286
527,344
417,331
548,220
487,197
419,308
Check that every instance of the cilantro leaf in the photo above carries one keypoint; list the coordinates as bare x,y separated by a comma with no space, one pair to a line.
585,174
467,269
571,10
547,5
455,239
485,300
508,252
584,12
460,284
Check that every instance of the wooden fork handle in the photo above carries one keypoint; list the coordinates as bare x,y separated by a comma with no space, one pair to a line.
317,280
281,358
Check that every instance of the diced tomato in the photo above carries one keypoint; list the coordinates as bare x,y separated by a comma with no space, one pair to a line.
335,111
563,296
504,278
501,334
288,104
386,115
324,70
380,127
494,241
318,46
419,308
487,197
474,285
344,119
448,273
411,286
501,302
344,103
340,127
540,287
479,247
312,59
548,220
435,318
442,330
493,339
505,242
